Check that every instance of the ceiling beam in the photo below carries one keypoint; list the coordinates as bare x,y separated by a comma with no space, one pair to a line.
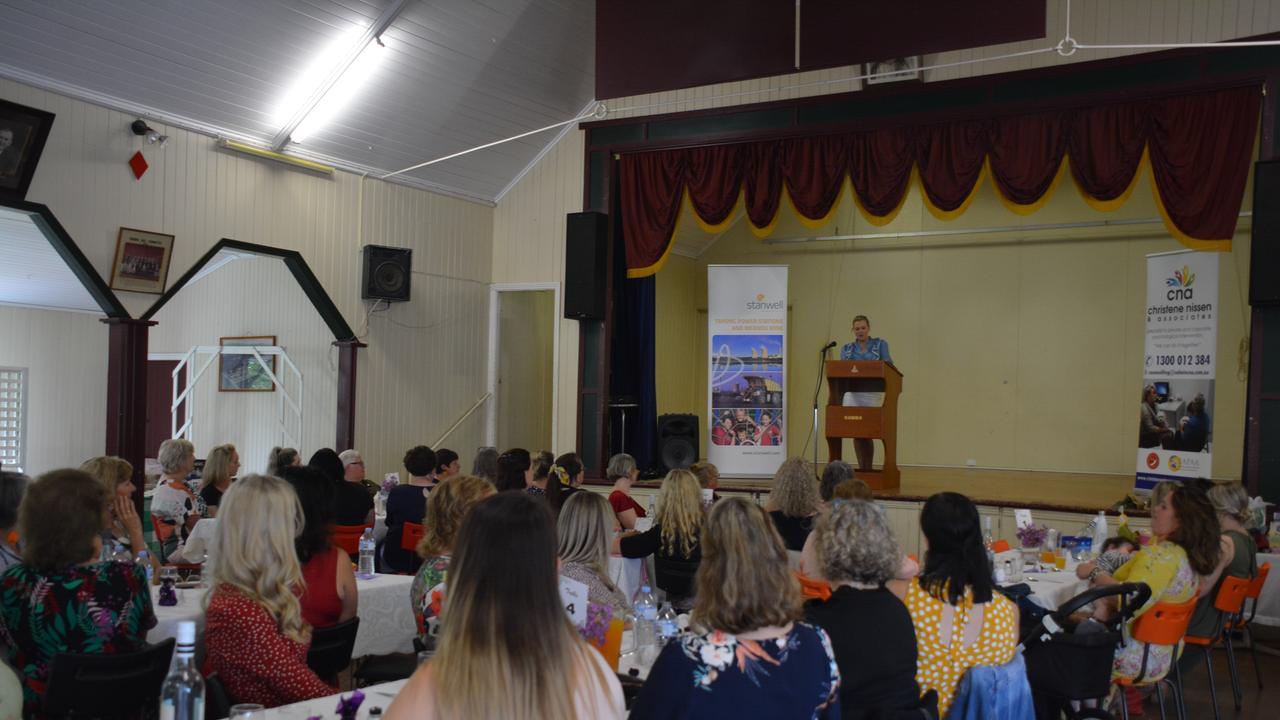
372,33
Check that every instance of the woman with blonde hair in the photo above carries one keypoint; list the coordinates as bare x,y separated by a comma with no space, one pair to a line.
507,649
125,528
255,637
447,505
674,538
794,502
747,654
281,458
220,468
585,528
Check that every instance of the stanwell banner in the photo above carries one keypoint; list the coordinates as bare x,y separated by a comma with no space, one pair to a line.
747,332
1175,431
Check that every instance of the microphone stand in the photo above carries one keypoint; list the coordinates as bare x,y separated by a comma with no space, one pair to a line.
817,389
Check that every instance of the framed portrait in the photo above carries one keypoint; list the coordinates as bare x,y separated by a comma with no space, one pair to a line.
243,373
142,261
903,69
23,132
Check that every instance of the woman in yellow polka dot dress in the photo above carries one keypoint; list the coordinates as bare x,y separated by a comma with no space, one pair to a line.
960,622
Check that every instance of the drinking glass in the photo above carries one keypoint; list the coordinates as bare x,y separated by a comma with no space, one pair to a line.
247,711
1060,558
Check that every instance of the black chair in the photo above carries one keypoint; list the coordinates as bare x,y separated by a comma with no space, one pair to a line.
377,669
331,649
217,703
107,686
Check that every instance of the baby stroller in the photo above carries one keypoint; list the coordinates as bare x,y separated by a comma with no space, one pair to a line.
1063,666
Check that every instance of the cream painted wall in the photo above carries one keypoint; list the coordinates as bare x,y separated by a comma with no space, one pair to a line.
66,361
1019,350
424,366
526,323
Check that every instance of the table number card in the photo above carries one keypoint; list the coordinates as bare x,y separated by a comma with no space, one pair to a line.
574,596
1022,517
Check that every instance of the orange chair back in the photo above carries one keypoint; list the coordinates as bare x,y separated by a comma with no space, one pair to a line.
410,535
347,537
1231,595
1255,586
1164,623
811,589
1000,546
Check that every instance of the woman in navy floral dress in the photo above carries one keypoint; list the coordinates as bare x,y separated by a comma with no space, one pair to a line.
61,599
749,657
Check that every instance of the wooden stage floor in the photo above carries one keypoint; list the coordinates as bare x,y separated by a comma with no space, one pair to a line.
1075,490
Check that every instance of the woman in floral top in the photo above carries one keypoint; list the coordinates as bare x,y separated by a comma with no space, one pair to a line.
174,506
447,504
751,657
61,599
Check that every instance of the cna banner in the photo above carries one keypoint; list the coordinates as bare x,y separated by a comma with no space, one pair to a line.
747,338
1175,420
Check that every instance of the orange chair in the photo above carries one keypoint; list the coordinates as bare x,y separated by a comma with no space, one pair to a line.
1229,603
811,589
1162,624
347,537
999,546
410,535
1240,622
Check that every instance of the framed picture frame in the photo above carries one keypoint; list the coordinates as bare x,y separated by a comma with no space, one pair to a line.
23,132
894,70
242,373
142,261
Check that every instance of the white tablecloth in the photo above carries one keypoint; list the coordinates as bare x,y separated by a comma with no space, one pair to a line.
386,615
379,696
1269,600
1051,589
626,573
199,545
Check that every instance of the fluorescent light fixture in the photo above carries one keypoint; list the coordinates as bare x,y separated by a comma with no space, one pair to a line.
318,74
266,154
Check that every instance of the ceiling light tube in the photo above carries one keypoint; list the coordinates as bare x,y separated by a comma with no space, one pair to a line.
237,146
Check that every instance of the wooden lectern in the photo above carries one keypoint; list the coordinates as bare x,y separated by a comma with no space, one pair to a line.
865,422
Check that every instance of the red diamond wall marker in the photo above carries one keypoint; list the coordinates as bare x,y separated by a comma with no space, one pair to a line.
138,164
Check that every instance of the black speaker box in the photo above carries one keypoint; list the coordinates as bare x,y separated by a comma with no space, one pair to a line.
385,273
586,265
1264,254
678,440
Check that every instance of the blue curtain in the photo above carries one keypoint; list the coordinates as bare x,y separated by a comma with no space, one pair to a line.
632,368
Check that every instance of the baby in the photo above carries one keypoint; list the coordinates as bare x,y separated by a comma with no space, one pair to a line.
1116,551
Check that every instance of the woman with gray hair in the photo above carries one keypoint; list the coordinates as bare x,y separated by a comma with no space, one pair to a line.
793,502
485,464
174,508
12,487
1238,557
858,555
836,472
622,472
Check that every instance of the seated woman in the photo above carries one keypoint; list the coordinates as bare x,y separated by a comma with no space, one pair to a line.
569,472
750,657
1237,557
485,463
447,464
61,598
674,538
836,472
406,503
708,479
541,485
447,505
220,468
585,528
281,458
622,472
174,508
793,503
515,470
255,637
329,590
858,555
507,649
351,504
960,622
124,526
12,487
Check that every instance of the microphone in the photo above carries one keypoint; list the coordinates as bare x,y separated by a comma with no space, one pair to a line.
829,346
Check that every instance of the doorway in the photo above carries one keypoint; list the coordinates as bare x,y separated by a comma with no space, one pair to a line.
524,333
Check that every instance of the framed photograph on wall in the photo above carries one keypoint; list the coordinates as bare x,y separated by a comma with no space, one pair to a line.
23,132
142,261
243,373
903,69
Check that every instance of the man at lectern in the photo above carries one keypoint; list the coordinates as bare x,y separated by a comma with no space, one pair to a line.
865,347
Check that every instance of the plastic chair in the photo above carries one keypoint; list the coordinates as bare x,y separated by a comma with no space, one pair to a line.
1240,622
100,685
347,537
1229,602
811,589
331,648
410,535
217,703
1162,624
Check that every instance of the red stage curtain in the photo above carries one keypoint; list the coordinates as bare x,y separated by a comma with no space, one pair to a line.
1200,147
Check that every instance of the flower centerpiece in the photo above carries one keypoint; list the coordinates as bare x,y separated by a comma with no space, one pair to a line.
597,625
1032,535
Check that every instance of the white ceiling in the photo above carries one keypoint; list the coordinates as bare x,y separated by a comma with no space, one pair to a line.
455,74
32,274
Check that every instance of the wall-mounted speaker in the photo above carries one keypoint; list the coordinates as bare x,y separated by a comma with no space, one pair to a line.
1264,249
678,440
385,273
586,265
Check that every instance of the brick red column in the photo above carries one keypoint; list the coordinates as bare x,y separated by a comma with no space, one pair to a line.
346,434
127,395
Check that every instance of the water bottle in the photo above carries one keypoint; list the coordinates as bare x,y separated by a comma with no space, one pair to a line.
119,554
182,695
1273,537
367,546
646,631
652,511
668,627
1099,532
988,539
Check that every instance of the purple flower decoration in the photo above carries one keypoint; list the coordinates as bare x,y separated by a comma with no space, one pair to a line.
597,625
347,706
387,484
1033,536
